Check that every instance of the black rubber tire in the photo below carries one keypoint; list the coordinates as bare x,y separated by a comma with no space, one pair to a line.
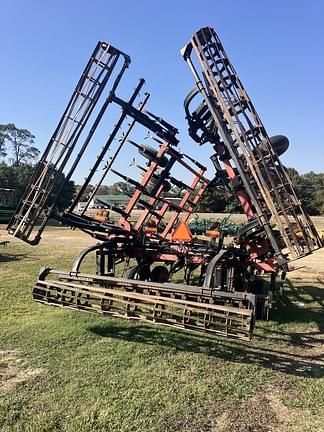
257,287
160,274
137,273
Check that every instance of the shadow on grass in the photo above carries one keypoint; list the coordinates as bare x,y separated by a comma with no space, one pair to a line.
288,351
310,366
300,310
5,257
306,294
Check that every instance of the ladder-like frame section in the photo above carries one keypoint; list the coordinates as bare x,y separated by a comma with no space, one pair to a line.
67,147
33,207
247,142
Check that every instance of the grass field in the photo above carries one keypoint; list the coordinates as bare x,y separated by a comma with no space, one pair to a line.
67,371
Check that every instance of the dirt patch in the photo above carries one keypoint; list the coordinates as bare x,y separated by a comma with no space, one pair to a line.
12,372
255,415
263,412
266,413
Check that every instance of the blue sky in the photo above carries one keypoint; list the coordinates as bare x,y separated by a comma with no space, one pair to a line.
277,47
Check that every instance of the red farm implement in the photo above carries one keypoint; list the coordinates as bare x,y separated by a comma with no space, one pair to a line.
219,287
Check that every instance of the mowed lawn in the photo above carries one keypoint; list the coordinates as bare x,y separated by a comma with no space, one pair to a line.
62,370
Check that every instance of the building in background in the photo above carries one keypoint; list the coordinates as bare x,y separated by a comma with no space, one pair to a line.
99,201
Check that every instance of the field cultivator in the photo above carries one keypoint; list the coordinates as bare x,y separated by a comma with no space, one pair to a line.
219,288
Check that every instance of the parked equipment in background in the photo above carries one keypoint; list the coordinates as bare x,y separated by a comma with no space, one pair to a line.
8,203
199,225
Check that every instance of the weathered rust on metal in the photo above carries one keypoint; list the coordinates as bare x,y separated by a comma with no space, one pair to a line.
34,207
233,125
220,290
183,307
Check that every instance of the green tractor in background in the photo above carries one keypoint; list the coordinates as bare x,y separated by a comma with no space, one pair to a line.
8,203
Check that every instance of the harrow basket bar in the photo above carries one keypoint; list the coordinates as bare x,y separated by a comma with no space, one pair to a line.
181,306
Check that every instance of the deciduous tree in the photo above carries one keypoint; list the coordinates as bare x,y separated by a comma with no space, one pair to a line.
3,150
21,142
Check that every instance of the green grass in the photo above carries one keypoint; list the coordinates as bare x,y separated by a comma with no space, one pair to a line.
102,374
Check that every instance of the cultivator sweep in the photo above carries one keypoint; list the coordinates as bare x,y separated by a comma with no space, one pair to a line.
220,289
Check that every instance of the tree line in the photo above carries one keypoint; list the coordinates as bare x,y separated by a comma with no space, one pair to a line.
309,188
18,157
